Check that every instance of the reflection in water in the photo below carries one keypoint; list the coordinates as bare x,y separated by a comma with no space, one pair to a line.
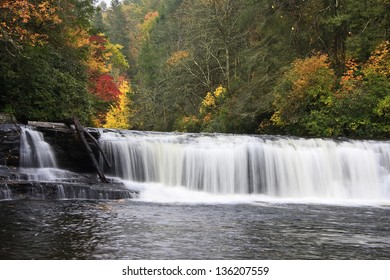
139,230
46,230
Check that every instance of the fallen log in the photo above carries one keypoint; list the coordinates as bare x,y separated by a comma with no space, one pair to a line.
80,130
106,160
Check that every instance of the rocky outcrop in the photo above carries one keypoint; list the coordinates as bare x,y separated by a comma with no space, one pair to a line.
68,149
69,152
70,156
17,190
9,144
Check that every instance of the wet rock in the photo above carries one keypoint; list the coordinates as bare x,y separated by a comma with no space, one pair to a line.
25,190
9,144
69,152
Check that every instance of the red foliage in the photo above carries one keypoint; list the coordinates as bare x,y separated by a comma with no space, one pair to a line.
98,39
106,88
99,42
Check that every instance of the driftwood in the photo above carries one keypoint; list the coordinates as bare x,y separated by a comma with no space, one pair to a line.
81,131
106,160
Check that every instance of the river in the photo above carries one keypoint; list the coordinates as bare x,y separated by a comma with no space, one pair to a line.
135,229
213,196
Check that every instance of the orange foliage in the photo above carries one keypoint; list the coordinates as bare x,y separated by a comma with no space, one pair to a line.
379,61
306,69
377,64
16,17
351,75
145,28
150,16
207,118
176,57
307,85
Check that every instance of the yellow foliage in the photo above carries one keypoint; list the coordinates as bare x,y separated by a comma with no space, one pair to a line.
176,57
119,115
219,91
276,118
124,87
211,99
77,37
113,54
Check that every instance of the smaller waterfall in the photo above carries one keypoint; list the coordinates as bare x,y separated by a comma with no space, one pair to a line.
5,193
34,151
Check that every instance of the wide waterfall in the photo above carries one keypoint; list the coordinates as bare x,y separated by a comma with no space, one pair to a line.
34,151
274,166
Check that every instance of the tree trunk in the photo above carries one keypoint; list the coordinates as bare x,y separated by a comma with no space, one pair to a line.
80,131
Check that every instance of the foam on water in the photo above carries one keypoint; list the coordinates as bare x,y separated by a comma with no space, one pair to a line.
161,194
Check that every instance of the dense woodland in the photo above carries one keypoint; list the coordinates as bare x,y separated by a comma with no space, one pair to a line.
298,67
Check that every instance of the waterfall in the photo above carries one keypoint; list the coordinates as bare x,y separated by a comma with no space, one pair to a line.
34,151
5,192
275,166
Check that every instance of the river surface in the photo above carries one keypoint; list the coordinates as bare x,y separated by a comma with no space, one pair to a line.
136,229
212,197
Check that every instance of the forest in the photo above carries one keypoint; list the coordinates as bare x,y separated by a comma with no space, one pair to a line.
312,68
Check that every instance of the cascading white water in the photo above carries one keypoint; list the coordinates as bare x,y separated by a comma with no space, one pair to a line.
34,151
277,166
5,193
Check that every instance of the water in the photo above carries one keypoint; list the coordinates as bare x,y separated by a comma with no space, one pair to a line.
132,229
212,197
34,151
277,167
5,193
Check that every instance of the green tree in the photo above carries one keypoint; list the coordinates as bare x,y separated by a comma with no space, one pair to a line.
363,98
49,81
117,26
303,96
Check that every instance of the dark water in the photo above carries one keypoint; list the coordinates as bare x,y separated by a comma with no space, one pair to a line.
140,230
